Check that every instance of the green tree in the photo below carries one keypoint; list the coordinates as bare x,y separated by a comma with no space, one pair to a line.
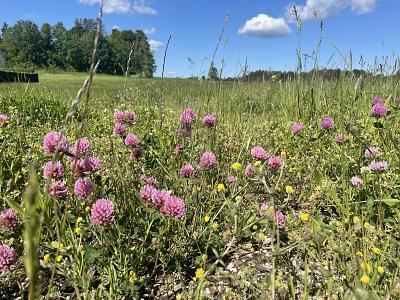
213,72
59,57
142,59
21,45
54,46
121,42
47,43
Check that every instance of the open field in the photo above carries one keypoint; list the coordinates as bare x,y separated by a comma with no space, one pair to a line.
314,216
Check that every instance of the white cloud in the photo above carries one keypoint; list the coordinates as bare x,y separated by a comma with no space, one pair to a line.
149,31
142,7
111,6
123,6
265,26
116,27
363,6
155,45
328,9
171,72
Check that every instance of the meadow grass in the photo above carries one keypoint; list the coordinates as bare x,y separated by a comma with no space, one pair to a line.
338,241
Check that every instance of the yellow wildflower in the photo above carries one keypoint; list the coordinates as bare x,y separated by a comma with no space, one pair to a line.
356,220
375,250
214,225
365,279
58,258
365,267
87,208
304,217
261,236
278,281
206,218
132,275
238,198
289,189
78,220
199,273
46,258
220,187
367,225
57,245
236,166
257,163
204,257
77,230
380,270
359,254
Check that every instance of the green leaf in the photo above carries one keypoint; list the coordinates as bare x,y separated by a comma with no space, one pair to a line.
91,254
251,219
390,202
15,206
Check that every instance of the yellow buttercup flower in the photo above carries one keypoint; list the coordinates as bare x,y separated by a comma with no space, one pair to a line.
261,236
87,208
199,273
365,279
78,220
220,187
206,218
255,227
77,230
305,217
257,163
214,225
236,166
356,220
46,258
359,254
365,267
57,245
367,225
58,258
380,270
278,281
289,189
375,250
238,198
132,276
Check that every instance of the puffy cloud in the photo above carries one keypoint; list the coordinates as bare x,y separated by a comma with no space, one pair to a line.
123,6
328,9
142,7
149,31
363,6
155,45
265,26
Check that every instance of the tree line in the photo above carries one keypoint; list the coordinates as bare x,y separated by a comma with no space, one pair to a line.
326,74
25,45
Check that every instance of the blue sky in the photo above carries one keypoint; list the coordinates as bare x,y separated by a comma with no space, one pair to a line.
259,31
